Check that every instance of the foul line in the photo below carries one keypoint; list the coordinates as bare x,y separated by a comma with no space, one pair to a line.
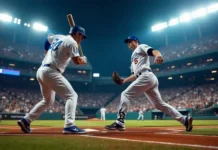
152,142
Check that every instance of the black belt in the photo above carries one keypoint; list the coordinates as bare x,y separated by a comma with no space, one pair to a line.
142,72
48,65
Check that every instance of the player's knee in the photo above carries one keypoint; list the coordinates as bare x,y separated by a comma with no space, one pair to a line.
158,106
73,96
47,102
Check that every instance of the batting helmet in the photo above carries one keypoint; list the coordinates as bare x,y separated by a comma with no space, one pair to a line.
131,38
78,29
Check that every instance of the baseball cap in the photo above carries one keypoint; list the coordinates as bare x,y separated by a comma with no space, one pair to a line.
78,29
132,37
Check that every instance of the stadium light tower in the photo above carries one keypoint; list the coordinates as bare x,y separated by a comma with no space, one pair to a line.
5,18
199,13
173,22
186,17
159,26
212,8
40,27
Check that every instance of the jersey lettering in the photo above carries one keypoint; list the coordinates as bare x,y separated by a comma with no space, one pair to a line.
55,44
136,60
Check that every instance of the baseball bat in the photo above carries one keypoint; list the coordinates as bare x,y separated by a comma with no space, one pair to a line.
72,23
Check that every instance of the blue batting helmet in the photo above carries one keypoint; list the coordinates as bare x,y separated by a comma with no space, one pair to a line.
78,29
131,38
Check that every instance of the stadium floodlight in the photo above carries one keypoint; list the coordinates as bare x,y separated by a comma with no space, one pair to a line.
15,20
159,26
25,24
40,27
212,8
28,25
173,22
199,13
186,17
5,17
96,75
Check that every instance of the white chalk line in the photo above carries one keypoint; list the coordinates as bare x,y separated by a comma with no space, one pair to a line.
152,142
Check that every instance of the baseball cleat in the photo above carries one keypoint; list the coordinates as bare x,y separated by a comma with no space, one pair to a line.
188,124
24,125
73,130
115,126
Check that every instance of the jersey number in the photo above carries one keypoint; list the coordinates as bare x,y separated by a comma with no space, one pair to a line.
135,60
55,44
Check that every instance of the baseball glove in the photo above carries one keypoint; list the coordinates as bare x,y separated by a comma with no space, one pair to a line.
116,78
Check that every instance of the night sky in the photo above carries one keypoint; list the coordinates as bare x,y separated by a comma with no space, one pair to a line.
107,24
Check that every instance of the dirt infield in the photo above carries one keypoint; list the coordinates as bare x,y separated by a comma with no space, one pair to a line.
160,135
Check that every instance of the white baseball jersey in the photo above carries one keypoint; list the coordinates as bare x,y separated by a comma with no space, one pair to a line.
140,59
140,112
102,110
62,49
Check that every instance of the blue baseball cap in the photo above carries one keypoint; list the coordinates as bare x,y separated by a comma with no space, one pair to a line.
131,38
78,29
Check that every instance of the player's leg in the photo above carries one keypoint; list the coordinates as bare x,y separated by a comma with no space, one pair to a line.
142,117
136,88
62,87
103,117
48,99
138,117
154,96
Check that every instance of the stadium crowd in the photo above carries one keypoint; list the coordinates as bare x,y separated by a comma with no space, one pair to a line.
190,48
188,66
23,100
199,97
20,100
93,99
19,51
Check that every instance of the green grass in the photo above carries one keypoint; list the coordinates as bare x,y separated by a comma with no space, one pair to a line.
129,123
77,143
210,131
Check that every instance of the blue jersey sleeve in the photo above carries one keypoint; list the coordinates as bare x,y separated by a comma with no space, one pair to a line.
47,45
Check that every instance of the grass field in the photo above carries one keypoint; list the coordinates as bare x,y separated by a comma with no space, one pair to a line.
58,142
129,123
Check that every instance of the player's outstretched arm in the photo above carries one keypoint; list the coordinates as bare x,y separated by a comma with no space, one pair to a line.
129,79
158,57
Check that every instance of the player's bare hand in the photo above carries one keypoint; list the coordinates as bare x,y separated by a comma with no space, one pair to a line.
158,60
123,80
80,60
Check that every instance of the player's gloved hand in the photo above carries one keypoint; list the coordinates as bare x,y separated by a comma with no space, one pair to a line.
158,60
117,79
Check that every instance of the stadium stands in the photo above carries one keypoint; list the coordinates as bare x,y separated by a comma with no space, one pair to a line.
199,97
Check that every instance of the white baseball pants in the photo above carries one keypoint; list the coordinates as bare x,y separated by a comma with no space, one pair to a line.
51,81
102,116
146,83
141,116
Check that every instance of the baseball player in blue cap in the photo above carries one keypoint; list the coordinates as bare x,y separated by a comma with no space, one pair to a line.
144,81
60,50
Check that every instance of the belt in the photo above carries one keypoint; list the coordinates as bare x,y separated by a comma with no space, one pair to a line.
142,72
49,65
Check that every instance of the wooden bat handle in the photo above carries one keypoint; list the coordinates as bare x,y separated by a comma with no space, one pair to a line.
72,23
70,20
